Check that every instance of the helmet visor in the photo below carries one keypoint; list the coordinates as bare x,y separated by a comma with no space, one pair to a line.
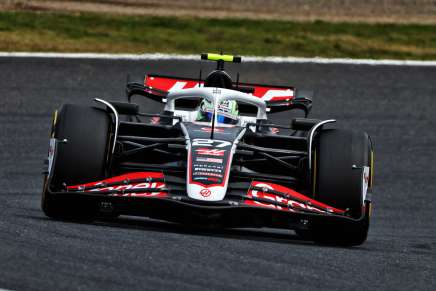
220,118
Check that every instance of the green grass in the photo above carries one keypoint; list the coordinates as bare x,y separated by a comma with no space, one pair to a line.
87,32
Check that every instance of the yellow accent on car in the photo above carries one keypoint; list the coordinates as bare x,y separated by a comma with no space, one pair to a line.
371,178
221,57
369,209
55,119
218,57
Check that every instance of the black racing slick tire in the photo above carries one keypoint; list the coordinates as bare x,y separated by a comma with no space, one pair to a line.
82,135
340,156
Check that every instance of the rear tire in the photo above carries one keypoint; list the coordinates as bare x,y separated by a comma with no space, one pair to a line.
81,159
338,184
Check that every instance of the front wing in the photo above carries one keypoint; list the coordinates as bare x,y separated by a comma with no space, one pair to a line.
147,194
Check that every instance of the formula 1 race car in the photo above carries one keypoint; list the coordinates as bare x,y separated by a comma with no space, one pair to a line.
211,156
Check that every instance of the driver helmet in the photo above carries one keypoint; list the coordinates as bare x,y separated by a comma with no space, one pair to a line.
227,112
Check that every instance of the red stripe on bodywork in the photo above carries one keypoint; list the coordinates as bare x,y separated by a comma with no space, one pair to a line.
289,200
126,185
292,199
167,84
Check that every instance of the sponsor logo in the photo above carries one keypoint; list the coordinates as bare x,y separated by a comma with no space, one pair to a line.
201,178
210,160
205,192
276,198
207,170
207,174
125,189
210,152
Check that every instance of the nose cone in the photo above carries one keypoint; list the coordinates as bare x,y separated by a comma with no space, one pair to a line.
209,160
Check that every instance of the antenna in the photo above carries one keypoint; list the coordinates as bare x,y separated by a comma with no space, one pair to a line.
199,79
220,63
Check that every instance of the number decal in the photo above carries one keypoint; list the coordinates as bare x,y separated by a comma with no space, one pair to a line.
209,143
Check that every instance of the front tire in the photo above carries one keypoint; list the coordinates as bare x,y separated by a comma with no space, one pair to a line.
341,156
81,158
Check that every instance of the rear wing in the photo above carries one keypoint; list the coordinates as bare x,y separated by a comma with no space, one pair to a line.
265,92
277,98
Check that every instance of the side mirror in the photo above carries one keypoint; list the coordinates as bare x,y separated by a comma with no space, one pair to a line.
303,95
139,89
302,100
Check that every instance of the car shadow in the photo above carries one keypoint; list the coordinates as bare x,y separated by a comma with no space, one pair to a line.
146,224
254,234
270,235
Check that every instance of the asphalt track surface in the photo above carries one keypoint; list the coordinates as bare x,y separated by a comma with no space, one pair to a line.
395,105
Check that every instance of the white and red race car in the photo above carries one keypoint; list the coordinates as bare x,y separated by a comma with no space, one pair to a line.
212,157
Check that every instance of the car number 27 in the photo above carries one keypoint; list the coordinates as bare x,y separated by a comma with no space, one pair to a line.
209,143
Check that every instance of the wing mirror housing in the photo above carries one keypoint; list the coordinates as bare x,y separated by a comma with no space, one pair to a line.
302,100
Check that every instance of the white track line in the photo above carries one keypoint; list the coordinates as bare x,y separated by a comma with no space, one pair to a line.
158,56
